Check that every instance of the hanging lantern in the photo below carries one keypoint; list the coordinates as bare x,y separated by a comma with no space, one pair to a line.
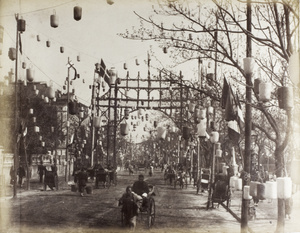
41,138
191,107
137,62
62,49
46,99
257,81
30,74
201,129
155,124
36,129
284,187
202,114
271,190
219,153
165,49
38,38
110,2
126,113
51,92
124,129
214,137
21,25
261,191
48,43
36,92
238,184
265,90
72,106
78,58
125,66
246,193
77,13
113,75
24,65
161,133
12,54
97,121
232,181
43,144
210,110
52,129
285,98
185,132
249,65
31,111
54,20
81,115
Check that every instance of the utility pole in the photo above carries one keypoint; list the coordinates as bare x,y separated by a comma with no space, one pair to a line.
248,125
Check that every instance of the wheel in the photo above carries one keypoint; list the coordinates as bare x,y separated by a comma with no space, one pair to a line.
151,213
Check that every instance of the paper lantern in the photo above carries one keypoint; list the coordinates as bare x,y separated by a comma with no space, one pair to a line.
155,124
246,193
201,129
110,2
137,62
21,25
125,66
34,119
285,98
97,121
249,65
219,153
12,54
38,38
30,74
62,49
77,11
295,171
46,99
36,129
43,144
271,190
72,106
31,111
284,187
24,65
261,191
265,90
191,107
257,81
54,21
48,43
78,58
202,114
113,75
253,188
214,137
165,49
161,133
232,181
51,92
210,110
238,184
185,132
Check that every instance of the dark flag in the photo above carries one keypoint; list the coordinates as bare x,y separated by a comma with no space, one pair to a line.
230,106
225,91
104,72
234,131
20,44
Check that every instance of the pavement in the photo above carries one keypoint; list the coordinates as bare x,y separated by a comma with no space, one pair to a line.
266,211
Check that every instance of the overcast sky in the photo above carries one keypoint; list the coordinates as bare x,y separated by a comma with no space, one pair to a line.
92,38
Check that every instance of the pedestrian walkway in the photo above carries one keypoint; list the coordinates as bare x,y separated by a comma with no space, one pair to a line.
266,214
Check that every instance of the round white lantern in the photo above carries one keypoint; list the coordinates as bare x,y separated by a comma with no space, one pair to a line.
249,65
271,190
265,90
284,187
202,114
218,153
232,181
214,137
239,184
246,193
97,121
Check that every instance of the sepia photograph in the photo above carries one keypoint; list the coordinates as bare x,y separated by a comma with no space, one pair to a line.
155,116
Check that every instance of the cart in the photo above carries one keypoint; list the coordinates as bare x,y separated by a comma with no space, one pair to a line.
221,191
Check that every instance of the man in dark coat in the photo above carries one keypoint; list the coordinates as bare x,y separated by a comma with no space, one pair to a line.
41,171
82,180
21,174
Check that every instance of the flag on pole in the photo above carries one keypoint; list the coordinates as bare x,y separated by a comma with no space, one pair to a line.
225,91
231,106
234,131
104,72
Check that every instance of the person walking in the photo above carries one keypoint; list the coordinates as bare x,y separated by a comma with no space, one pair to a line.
82,180
41,171
21,174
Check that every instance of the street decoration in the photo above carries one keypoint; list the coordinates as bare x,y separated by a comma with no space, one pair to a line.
265,90
285,97
12,54
21,25
54,20
284,187
77,13
29,74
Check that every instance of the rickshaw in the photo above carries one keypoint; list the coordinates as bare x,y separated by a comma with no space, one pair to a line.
148,208
221,191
